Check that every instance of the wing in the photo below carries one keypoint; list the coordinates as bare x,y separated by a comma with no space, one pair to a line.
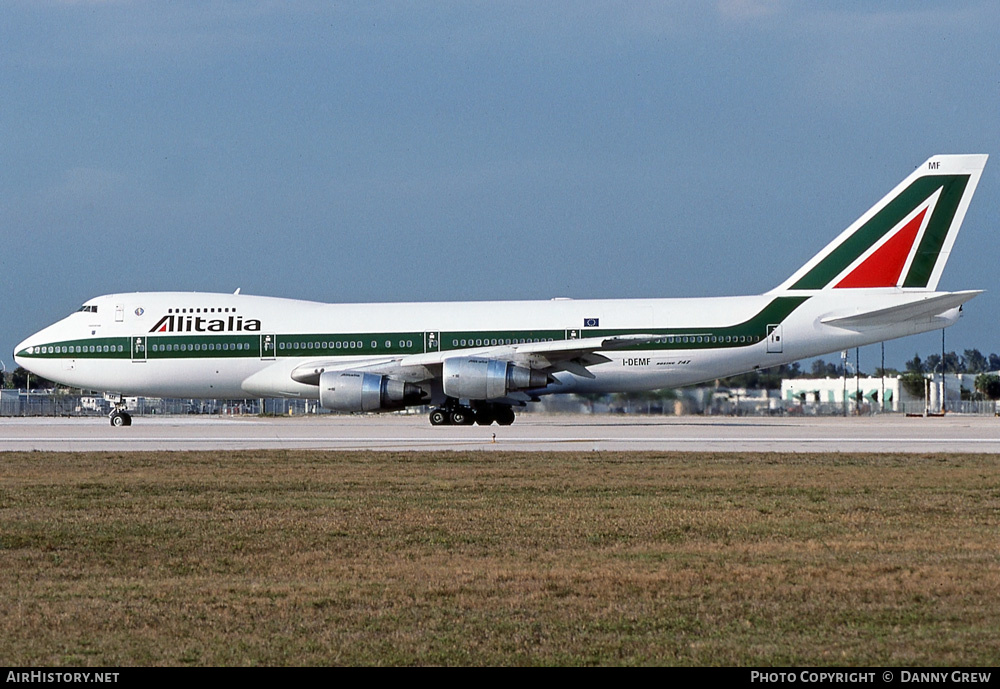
574,356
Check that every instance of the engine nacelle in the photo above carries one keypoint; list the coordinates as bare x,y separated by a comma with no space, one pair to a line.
486,379
356,391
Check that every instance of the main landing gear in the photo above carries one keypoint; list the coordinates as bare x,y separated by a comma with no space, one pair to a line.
120,417
484,413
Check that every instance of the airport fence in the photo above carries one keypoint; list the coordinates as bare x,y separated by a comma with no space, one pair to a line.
61,403
971,407
57,403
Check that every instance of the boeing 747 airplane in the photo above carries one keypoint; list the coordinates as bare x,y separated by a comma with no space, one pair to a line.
475,361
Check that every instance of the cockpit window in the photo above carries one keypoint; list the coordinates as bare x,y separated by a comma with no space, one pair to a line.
92,308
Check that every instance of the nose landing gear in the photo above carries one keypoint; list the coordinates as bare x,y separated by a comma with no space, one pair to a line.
120,417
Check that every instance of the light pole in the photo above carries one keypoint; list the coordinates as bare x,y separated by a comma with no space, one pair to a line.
843,365
857,381
943,386
941,399
882,398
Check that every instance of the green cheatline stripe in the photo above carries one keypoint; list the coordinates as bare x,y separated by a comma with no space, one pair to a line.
197,346
490,338
937,229
93,348
752,330
151,348
349,344
144,347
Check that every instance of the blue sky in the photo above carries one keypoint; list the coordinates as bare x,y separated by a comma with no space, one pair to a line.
460,150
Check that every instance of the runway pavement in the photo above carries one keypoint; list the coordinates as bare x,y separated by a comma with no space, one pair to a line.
531,432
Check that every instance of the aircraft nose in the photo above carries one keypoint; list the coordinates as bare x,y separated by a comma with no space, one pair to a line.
31,355
24,349
27,353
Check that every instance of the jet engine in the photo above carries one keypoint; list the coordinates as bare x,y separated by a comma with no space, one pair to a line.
356,391
486,379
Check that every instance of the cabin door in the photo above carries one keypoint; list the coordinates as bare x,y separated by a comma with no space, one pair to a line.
267,347
774,343
138,349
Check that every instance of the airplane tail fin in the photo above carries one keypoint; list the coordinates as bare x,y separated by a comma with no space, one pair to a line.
905,239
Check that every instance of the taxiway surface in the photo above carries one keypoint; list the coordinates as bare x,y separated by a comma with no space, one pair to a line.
531,432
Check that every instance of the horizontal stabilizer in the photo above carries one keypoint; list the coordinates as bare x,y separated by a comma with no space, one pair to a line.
924,308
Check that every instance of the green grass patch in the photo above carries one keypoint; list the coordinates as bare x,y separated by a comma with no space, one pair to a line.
361,558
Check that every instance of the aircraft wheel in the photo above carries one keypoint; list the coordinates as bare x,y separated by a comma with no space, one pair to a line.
485,417
461,417
438,417
505,416
121,418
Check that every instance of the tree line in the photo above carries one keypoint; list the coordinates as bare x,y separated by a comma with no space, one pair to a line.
986,384
18,379
970,361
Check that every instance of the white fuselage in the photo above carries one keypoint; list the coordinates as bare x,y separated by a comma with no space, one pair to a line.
178,344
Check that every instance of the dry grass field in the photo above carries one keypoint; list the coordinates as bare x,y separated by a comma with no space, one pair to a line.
322,558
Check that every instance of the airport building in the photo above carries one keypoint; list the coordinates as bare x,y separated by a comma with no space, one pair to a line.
832,395
867,395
